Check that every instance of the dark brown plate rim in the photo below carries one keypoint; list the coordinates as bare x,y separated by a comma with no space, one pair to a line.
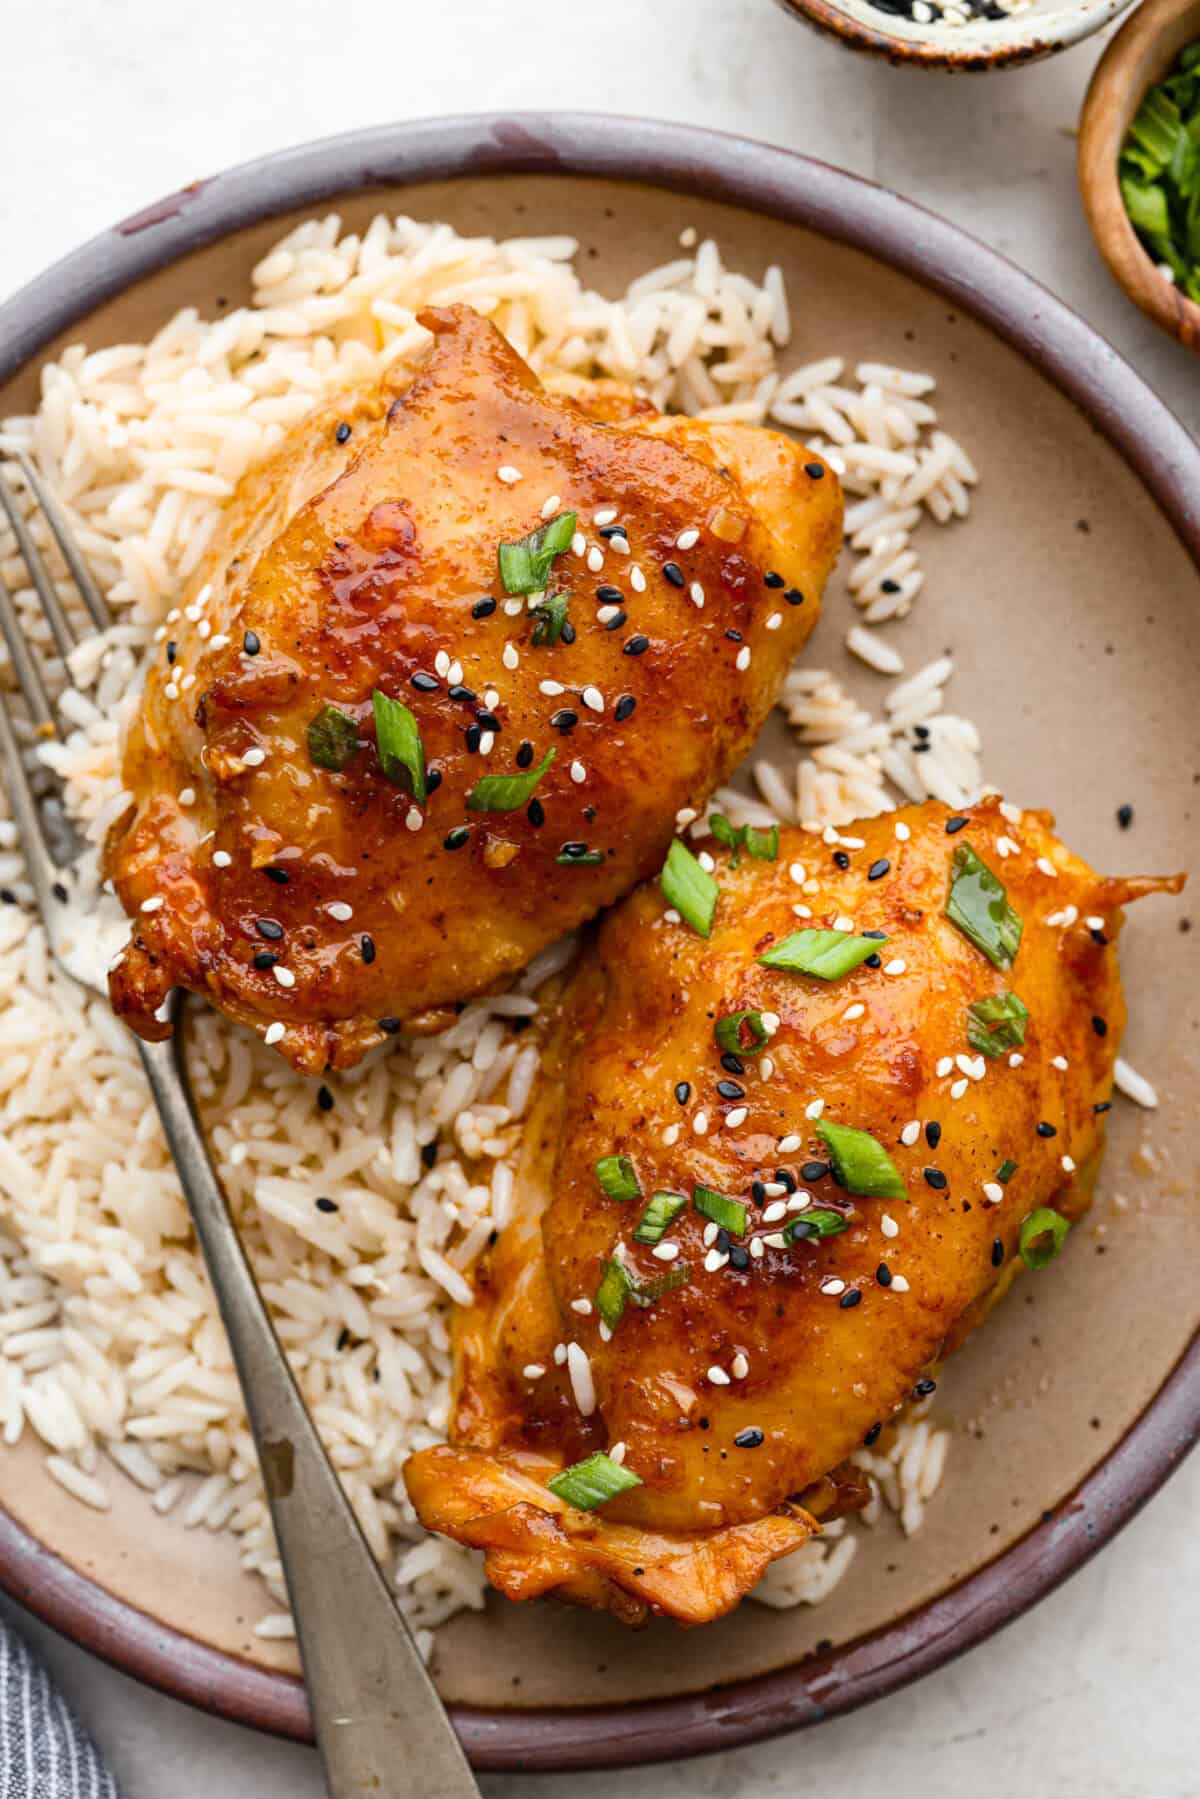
1119,404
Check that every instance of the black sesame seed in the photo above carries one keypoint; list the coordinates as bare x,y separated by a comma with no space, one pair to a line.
875,961
280,876
564,719
433,780
730,1090
933,1133
616,621
1098,937
460,693
624,708
872,1436
876,936
608,532
954,824
841,858
683,1092
429,1154
567,634
636,645
750,1438
367,947
474,737
732,1064
815,469
814,1171
997,1252
758,1193
251,643
389,1026
60,893
574,850
535,812
738,1257
771,579
266,958
425,683
1099,1025
920,730
878,869
454,840
674,574
525,755
1125,816
609,595
483,608
171,652
734,636
924,1388
850,1299
934,1178
1104,1105
343,432
1046,1130
889,586
786,1180
270,928
918,747
327,1205
722,1242
487,720
324,1099
883,1275
794,597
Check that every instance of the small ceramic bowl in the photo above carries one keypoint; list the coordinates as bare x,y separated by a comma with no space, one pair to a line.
971,36
1140,54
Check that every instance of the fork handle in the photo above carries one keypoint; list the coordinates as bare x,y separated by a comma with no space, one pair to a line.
380,1725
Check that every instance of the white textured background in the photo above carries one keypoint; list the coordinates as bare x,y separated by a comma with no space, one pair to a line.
105,105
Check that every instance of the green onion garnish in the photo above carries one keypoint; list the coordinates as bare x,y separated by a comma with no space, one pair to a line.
659,1216
860,1164
819,1222
620,1287
1005,1172
583,859
730,1214
1159,172
763,845
997,1024
525,565
617,1179
1042,1235
978,904
644,1293
508,793
591,1482
551,616
827,954
332,738
612,1295
741,1033
689,888
398,740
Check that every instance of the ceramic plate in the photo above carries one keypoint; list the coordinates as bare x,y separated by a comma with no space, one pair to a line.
1070,603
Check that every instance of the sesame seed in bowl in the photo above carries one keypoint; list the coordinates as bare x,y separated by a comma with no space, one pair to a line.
971,36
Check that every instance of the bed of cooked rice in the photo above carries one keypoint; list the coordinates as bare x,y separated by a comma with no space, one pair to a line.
110,1346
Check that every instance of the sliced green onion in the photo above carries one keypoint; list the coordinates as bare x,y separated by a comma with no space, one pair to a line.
525,565
763,845
585,859
827,954
997,1024
508,793
645,1293
820,1221
612,1295
978,904
620,1286
689,888
1005,1172
659,1216
860,1164
617,1178
730,1214
742,1033
332,738
551,616
398,740
1042,1235
591,1482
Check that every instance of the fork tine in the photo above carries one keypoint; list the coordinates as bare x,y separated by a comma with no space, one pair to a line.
44,871
81,574
28,674
39,574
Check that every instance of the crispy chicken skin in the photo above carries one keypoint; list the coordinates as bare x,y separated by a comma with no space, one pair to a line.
345,567
736,1392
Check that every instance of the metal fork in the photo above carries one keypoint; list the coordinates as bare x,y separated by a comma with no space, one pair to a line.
380,1726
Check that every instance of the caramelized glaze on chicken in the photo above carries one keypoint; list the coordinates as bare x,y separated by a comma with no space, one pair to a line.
329,905
739,1391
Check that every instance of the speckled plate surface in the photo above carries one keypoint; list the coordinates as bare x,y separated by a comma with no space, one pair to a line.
1070,603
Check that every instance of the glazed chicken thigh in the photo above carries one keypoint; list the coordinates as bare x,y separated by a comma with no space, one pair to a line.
776,1173
462,652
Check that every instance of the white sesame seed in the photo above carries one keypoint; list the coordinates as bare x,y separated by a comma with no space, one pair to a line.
551,689
813,1110
188,682
843,923
578,773
797,873
964,1064
766,1068
774,622
533,1370
441,664
829,835
1016,1059
273,1032
1094,922
700,1123
686,815
799,1202
770,1022
617,1453
607,515
580,1371
993,1192
958,1089
1053,919
637,579
790,1144
718,1376
340,910
897,965
593,698
911,1132
742,659
710,1234
160,634
595,559
671,1135
666,1252
192,613
706,862
1068,1163
486,741
774,1240
1069,917
203,629
491,698
757,1248
414,818
773,1189
902,831
945,1067
736,1117
619,542
222,859
582,1306
578,543
802,911
672,916
852,843
187,796
606,613
774,1212
560,1354
283,975
899,1284
455,674
509,656
1007,847
833,1286
605,1332
155,903
1059,1062
508,474
688,539
697,595
254,757
714,1261
1010,812
888,1225
854,1011
1047,867
219,642
739,1367
171,690
551,506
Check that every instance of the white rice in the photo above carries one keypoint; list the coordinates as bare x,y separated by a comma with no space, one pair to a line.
109,1336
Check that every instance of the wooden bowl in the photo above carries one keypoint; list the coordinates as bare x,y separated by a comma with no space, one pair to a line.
1140,54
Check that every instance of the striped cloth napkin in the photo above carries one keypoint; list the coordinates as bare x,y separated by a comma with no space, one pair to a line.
45,1753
